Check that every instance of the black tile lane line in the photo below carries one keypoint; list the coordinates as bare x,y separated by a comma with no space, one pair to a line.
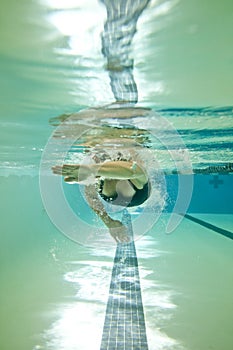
124,326
214,228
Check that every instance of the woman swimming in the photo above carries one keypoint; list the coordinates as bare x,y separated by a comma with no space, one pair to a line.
119,182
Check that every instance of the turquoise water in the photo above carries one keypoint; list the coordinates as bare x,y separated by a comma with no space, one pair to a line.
54,291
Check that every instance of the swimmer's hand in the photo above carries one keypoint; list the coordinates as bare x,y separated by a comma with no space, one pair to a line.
73,172
118,231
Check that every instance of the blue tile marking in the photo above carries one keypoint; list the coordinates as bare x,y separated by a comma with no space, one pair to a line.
124,326
216,182
209,195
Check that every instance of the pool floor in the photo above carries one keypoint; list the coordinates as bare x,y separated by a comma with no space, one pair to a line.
54,291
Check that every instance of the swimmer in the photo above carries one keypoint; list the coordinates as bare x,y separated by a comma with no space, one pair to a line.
118,182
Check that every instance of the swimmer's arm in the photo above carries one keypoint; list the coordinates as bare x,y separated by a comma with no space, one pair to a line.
118,170
117,230
121,170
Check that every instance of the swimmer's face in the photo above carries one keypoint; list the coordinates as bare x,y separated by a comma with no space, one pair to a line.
120,188
124,193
